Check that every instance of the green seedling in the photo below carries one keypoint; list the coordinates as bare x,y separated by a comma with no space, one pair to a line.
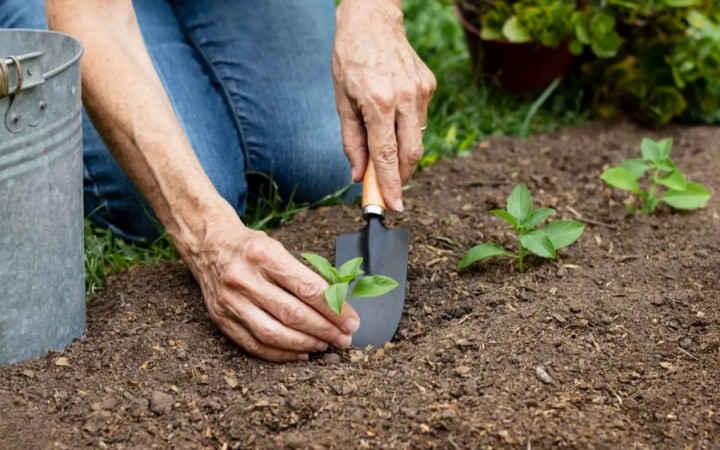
340,280
543,242
679,193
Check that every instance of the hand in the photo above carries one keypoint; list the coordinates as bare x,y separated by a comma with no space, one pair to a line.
383,90
264,299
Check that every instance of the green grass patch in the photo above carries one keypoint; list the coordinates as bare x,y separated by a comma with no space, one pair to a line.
460,115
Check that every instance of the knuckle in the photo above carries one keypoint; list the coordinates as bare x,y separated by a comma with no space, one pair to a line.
252,346
383,101
291,315
311,288
415,155
408,93
387,155
269,335
262,249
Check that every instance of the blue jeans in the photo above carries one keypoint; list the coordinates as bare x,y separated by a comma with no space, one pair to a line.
251,84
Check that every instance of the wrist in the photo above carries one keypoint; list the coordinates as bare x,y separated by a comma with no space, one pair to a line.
190,221
367,9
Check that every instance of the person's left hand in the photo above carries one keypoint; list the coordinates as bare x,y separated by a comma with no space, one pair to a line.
383,90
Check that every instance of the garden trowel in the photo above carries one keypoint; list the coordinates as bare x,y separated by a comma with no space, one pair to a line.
384,252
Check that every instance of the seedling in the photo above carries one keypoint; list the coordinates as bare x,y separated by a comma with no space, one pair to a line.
543,242
662,171
340,280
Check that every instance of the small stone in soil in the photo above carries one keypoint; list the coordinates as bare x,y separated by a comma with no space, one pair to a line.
686,343
575,308
29,373
702,253
469,387
331,358
658,301
543,375
160,402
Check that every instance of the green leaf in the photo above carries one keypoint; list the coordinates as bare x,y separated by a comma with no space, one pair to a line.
665,164
481,252
538,242
519,204
694,196
537,217
563,233
335,296
506,216
323,266
664,146
621,178
674,180
575,47
350,269
373,286
514,31
650,150
681,3
638,167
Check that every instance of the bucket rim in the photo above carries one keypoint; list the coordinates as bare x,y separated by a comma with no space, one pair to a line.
66,64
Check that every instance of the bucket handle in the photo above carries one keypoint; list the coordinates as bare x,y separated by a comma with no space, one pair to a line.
27,73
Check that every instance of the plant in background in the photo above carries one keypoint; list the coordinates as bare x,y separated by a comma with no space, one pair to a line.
668,66
340,280
541,241
660,171
549,22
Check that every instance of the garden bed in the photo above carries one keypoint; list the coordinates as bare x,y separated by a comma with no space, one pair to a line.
614,345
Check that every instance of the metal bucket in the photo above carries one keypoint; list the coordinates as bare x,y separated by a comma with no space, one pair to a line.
42,278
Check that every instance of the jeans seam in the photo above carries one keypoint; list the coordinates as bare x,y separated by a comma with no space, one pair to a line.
225,93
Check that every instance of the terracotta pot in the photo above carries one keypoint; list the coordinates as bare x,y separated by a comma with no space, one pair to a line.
515,67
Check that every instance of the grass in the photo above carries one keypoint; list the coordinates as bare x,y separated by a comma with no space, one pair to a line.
460,115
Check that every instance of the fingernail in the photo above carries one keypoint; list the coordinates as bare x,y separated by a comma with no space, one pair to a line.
399,205
321,346
303,357
352,325
344,340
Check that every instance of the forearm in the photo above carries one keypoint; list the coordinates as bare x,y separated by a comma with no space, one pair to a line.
128,104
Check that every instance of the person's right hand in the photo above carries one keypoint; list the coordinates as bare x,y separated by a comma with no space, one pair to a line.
263,298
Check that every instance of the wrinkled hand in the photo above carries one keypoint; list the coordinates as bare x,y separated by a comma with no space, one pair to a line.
264,299
383,90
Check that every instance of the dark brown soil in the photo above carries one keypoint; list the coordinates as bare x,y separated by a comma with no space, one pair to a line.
615,346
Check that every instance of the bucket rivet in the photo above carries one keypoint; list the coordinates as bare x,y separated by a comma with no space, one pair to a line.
43,105
15,118
29,71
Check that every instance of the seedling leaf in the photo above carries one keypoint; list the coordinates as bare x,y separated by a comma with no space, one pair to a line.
519,203
506,216
538,242
664,146
335,296
373,286
538,216
650,150
481,252
323,266
563,233
350,269
638,167
694,196
674,180
621,178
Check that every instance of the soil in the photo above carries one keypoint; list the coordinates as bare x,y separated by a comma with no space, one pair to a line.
615,345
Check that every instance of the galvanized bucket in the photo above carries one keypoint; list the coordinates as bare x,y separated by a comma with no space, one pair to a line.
42,279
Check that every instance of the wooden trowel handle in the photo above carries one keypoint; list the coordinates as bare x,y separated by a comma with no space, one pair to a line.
371,189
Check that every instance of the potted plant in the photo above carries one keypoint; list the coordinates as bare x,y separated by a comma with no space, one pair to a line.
524,45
